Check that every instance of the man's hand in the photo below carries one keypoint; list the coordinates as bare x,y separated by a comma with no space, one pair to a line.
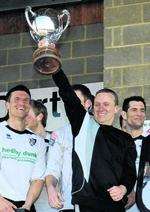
5,205
117,192
54,197
131,200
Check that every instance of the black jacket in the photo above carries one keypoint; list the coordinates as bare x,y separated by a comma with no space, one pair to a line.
113,158
145,157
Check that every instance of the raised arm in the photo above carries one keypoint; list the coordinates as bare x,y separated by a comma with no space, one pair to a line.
74,110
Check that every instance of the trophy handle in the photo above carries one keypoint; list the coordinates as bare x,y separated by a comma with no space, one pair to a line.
60,17
27,10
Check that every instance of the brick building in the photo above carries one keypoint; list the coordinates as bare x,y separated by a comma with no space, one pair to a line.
127,48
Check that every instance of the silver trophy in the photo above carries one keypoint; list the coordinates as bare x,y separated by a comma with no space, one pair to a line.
46,27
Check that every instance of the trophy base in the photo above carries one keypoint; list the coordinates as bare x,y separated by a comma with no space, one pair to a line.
46,60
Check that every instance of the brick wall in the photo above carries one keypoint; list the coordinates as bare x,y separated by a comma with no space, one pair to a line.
127,48
81,47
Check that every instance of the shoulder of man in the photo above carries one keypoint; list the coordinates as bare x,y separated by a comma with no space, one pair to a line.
61,135
35,140
115,131
147,138
3,123
62,131
118,137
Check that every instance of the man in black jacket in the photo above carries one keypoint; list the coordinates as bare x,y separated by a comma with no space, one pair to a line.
103,156
133,115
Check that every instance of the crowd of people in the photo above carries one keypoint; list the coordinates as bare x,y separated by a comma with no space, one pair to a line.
88,165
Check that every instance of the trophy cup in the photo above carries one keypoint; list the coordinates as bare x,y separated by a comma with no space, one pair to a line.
46,27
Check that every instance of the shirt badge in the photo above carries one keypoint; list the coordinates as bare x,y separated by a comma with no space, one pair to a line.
32,141
8,136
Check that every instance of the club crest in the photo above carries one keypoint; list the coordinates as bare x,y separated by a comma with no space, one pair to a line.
32,141
8,136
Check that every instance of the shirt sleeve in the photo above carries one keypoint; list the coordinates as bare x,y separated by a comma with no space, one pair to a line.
73,107
40,165
55,156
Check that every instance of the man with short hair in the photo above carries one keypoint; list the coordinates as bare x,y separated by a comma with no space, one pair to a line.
103,156
85,96
105,106
133,114
37,118
22,155
133,111
60,159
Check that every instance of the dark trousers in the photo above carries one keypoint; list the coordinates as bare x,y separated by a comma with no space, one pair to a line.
96,209
69,210
19,204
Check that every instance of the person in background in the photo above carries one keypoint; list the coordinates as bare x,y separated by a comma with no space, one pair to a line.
133,116
36,122
59,167
37,118
22,155
103,156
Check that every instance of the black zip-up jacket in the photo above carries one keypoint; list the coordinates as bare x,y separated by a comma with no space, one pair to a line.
113,157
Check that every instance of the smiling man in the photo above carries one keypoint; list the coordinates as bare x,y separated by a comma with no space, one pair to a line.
103,156
134,114
105,106
22,155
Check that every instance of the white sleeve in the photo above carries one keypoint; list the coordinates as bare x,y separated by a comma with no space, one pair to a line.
55,156
40,165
